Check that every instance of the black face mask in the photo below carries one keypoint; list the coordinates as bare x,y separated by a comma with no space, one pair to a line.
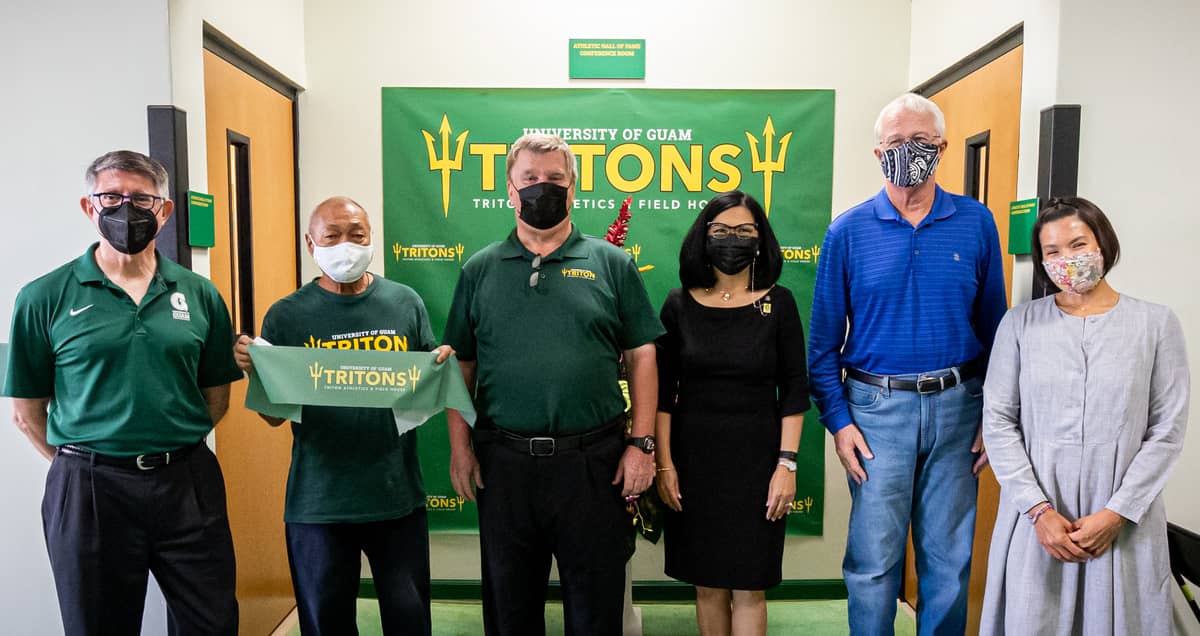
127,228
731,254
543,205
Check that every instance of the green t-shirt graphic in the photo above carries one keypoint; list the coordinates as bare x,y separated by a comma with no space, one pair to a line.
350,464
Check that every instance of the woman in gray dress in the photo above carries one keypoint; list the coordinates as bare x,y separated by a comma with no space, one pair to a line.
1084,413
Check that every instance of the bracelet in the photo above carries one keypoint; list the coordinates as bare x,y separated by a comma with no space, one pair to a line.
788,464
663,470
783,454
1033,517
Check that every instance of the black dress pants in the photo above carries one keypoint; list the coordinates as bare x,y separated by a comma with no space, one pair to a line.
564,506
107,527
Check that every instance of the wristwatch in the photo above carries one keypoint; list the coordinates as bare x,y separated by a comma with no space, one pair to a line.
788,464
645,444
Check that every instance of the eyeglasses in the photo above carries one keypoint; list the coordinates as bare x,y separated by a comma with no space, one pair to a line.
537,271
139,200
921,138
743,231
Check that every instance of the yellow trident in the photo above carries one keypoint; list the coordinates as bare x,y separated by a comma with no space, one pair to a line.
458,249
766,165
636,252
314,372
414,375
396,251
447,163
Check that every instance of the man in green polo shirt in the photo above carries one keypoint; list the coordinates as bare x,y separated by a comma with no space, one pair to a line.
120,363
540,322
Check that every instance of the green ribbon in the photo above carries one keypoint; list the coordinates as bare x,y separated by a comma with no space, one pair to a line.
285,379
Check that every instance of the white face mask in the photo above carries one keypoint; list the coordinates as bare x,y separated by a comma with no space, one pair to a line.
345,262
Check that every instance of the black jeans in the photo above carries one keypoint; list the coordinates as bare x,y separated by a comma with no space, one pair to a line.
326,561
564,505
107,527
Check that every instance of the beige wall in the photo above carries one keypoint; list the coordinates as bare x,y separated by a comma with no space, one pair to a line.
355,47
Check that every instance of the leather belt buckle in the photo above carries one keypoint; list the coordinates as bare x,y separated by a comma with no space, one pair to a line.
926,385
150,462
542,446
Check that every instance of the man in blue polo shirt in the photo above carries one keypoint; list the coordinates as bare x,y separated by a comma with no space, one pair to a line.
910,289
119,366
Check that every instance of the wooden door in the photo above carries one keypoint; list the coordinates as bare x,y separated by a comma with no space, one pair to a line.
983,124
251,168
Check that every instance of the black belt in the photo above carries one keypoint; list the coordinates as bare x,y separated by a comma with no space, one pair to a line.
148,461
926,383
547,445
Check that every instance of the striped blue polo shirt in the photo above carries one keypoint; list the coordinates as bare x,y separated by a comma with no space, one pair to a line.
915,299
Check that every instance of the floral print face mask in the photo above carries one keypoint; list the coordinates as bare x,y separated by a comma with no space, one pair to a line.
1076,274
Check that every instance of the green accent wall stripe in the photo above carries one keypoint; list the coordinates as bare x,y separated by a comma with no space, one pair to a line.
643,591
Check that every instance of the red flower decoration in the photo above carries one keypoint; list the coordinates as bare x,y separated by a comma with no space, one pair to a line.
620,226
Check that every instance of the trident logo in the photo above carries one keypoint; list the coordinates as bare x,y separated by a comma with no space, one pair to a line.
447,163
314,372
313,343
636,253
458,249
766,165
414,375
396,251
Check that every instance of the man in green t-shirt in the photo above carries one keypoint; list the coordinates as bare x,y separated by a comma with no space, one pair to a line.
354,485
541,321
119,367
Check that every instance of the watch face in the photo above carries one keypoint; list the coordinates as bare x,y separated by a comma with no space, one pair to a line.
645,444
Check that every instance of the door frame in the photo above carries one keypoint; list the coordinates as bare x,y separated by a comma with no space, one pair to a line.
225,48
974,61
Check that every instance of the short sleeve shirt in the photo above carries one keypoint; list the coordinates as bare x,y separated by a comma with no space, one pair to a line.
123,379
350,465
548,341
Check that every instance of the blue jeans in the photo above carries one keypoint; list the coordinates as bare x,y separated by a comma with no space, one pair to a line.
921,474
326,557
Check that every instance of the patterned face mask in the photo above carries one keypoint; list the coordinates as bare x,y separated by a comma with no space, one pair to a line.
1076,274
910,163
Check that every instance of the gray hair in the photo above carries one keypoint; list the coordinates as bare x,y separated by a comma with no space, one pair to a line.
541,144
129,161
913,103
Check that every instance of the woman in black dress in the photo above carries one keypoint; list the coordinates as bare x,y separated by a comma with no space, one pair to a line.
733,388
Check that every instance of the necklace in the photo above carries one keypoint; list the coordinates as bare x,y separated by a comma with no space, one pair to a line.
725,293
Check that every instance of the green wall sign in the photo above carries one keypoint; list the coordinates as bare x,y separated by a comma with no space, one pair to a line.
200,220
607,59
1021,216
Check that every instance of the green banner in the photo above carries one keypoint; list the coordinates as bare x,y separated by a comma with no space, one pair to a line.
671,150
413,385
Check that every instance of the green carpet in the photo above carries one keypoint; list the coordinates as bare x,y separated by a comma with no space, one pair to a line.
811,618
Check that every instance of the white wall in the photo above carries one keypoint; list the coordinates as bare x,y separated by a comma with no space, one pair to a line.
1131,66
271,30
77,78
357,46
945,31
